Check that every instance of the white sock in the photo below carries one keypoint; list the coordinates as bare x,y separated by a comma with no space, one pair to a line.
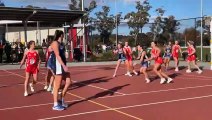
62,100
55,103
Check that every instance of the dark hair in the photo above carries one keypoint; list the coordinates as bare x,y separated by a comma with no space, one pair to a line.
58,34
30,43
155,42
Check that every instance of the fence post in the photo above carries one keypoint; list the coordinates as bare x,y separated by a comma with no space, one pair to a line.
211,41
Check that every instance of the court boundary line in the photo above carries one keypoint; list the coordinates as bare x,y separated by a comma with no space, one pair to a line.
157,91
130,94
34,105
131,106
96,103
95,87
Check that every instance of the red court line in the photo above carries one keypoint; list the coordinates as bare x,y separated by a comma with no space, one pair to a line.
91,101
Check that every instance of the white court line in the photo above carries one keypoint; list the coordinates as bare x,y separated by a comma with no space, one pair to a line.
157,91
28,106
96,87
4,75
126,107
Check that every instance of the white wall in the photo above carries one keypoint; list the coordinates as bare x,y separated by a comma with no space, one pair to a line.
15,33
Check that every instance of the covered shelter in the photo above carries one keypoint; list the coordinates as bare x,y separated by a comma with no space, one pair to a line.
40,15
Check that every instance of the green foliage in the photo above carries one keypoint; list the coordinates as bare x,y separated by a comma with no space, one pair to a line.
2,4
107,56
136,20
191,34
156,28
105,23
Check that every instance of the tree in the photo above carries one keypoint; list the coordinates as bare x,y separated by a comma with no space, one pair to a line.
156,27
190,34
74,5
170,26
137,20
33,7
2,4
105,23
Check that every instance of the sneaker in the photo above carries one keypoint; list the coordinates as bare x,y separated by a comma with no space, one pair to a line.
58,108
45,87
25,94
49,89
169,80
135,73
162,80
65,105
31,87
188,71
114,75
148,80
199,71
176,69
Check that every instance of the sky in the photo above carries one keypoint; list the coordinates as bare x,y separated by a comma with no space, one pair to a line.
181,9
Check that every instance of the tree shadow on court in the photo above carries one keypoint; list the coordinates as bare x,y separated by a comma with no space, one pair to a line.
89,82
173,75
109,92
106,68
180,68
12,85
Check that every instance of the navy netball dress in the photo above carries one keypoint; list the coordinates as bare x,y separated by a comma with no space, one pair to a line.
53,63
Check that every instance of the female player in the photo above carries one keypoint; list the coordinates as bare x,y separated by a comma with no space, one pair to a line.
32,66
144,64
129,58
167,55
57,64
155,54
121,57
49,76
175,53
192,57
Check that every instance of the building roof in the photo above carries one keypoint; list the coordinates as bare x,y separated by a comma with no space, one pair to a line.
10,13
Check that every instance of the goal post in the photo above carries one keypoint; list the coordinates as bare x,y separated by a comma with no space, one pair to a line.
211,41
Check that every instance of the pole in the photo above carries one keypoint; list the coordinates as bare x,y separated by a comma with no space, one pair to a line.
211,41
201,29
116,24
84,42
25,31
7,32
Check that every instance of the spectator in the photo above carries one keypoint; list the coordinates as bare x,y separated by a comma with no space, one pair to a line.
44,46
8,50
19,50
1,50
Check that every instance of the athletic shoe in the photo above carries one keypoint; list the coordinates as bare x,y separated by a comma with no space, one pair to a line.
169,80
25,94
65,105
188,71
162,80
49,89
45,87
199,71
31,87
176,69
58,108
135,73
114,75
148,80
